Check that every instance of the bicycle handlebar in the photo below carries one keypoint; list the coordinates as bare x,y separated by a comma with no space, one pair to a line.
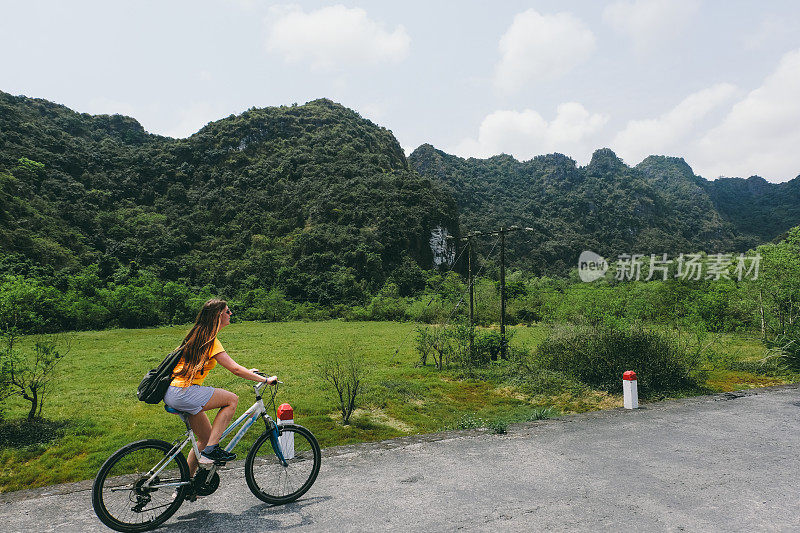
260,387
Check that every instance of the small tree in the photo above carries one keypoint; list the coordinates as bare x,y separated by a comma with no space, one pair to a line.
30,375
345,373
424,344
437,342
451,344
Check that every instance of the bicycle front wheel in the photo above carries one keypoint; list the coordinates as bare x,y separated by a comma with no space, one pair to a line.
121,496
274,483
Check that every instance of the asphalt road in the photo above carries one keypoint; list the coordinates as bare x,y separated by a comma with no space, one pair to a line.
714,463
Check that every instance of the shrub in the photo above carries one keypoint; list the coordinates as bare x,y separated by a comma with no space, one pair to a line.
357,313
424,344
498,426
272,305
488,345
387,308
450,344
30,306
434,341
542,413
86,313
486,302
176,303
345,373
786,346
430,309
599,355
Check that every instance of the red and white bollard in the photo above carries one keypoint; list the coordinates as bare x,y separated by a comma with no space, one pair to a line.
630,390
286,440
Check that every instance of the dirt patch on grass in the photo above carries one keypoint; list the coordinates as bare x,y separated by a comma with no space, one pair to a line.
376,416
511,392
590,401
727,381
469,393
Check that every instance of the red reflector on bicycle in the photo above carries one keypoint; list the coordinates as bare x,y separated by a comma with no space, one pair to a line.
285,412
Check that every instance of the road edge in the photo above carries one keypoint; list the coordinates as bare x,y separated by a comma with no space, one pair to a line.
400,442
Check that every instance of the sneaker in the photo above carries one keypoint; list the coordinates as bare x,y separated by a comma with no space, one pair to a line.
217,455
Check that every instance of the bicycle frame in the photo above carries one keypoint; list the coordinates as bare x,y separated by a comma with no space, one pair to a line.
249,417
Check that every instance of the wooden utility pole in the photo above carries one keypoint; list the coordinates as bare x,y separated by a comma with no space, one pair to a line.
503,354
471,298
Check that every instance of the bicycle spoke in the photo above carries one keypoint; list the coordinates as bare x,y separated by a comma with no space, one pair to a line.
270,480
122,497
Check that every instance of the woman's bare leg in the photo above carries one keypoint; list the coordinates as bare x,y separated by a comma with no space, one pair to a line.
227,402
204,432
202,429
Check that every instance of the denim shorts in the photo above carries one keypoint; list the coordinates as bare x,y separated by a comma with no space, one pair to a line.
189,399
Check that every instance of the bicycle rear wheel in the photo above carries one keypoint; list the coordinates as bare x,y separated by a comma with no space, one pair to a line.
119,495
274,483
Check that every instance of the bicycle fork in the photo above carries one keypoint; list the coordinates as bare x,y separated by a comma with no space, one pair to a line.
272,429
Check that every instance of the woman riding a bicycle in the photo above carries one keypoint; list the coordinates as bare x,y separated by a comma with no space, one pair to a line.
144,483
201,352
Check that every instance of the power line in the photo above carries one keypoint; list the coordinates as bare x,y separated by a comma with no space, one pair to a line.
502,233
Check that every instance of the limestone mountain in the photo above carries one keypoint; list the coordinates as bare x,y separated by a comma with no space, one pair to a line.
659,206
313,199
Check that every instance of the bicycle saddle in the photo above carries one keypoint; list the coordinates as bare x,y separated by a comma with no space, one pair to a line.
169,409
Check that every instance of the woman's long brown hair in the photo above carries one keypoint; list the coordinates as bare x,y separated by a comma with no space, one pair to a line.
198,341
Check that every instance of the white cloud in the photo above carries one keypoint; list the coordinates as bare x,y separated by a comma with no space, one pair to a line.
541,47
525,134
649,22
664,135
760,134
334,37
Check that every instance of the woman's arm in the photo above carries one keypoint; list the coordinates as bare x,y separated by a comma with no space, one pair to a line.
238,370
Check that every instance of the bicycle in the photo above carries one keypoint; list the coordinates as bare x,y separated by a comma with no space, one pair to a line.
144,483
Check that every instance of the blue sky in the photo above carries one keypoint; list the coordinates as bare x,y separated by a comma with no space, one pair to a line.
715,82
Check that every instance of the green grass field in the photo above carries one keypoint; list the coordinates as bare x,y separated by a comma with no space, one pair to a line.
96,384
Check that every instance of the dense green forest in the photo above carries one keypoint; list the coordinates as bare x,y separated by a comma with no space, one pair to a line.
658,206
312,211
312,199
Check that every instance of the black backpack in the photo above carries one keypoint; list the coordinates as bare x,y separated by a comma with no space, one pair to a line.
156,382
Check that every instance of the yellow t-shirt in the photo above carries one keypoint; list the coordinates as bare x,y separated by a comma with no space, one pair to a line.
216,348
